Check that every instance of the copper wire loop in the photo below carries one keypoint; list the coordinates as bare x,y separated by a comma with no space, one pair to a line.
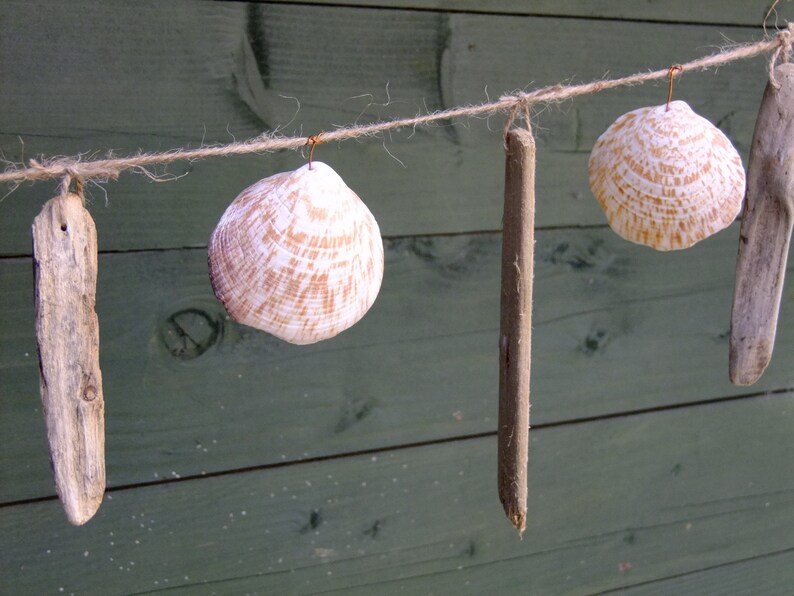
671,73
313,140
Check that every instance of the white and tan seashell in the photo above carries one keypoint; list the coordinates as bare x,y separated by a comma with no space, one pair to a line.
666,178
298,255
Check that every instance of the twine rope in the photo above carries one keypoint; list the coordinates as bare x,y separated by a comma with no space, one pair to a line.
783,51
74,168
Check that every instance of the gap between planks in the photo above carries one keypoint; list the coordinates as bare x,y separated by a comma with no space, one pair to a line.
714,401
486,232
661,580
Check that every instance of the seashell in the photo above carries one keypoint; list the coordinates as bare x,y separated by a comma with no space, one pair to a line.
298,255
666,178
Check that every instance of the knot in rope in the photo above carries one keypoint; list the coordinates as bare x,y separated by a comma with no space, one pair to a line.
785,39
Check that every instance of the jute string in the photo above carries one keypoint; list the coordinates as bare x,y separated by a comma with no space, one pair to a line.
75,168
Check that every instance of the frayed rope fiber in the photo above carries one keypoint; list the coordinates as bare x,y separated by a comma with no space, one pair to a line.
75,168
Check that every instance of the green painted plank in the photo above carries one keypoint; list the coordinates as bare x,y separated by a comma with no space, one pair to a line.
618,327
770,575
734,12
612,503
159,75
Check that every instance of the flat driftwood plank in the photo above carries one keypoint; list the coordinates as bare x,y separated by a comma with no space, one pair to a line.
765,233
67,334
515,337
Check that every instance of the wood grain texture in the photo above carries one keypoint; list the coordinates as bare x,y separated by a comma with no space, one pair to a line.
619,502
617,327
236,70
515,324
67,336
765,233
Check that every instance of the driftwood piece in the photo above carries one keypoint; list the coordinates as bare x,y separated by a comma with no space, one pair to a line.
765,232
515,337
67,334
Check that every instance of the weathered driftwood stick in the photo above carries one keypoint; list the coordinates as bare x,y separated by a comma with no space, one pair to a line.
67,333
765,232
515,337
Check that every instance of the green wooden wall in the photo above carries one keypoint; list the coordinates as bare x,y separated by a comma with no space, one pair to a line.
238,464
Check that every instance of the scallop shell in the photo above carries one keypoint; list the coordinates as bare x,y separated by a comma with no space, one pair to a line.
666,178
298,255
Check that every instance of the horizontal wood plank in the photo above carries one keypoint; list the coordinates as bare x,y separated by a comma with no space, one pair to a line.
154,76
618,327
613,503
771,574
670,11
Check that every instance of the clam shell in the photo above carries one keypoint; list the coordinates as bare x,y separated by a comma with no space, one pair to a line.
298,255
666,178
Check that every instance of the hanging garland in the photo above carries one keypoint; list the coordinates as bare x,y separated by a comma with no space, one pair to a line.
300,256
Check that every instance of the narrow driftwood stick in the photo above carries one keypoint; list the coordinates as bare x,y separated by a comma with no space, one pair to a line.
67,333
515,337
765,232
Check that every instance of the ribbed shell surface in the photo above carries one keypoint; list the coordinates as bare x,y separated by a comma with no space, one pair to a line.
666,178
298,255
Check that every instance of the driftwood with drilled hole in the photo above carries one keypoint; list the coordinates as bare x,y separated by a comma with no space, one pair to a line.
515,337
67,334
765,232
